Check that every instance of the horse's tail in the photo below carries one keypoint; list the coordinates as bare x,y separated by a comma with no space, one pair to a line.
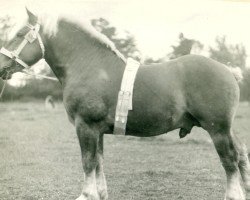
237,72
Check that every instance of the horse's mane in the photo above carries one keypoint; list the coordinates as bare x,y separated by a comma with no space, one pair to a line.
49,22
88,28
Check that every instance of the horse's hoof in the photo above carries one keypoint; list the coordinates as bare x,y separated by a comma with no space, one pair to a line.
87,197
235,198
103,195
81,198
239,196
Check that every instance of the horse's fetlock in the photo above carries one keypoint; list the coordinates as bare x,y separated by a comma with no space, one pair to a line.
234,188
89,165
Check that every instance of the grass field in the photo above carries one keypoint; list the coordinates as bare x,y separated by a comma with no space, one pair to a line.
40,159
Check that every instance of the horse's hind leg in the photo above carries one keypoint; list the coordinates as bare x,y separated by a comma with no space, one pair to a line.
244,164
226,147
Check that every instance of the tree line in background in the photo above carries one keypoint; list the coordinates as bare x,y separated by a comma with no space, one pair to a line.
229,54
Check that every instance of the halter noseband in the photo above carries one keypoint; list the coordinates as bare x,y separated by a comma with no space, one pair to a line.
30,37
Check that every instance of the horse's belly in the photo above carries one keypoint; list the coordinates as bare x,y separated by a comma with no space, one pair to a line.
158,103
144,125
155,115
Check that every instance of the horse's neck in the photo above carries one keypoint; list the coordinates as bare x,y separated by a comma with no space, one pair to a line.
74,53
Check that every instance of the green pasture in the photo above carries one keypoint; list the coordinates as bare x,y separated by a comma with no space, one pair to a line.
40,159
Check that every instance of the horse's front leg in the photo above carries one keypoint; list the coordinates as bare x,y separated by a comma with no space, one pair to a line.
91,158
100,177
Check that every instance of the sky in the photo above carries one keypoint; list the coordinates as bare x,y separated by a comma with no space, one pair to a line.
155,24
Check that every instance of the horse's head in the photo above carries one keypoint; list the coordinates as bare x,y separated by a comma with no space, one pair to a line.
24,50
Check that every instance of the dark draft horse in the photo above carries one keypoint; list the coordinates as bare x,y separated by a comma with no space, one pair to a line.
179,94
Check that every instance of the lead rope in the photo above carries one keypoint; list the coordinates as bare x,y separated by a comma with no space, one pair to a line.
3,88
27,73
39,76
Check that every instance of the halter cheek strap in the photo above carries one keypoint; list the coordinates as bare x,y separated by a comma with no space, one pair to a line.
12,56
30,37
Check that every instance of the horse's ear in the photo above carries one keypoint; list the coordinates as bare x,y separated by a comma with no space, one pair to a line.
32,17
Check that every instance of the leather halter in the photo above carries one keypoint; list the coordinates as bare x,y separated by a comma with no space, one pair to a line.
30,37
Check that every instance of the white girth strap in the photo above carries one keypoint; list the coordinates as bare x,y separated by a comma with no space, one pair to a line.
124,102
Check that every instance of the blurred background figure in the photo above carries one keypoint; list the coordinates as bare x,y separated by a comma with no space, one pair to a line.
49,103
